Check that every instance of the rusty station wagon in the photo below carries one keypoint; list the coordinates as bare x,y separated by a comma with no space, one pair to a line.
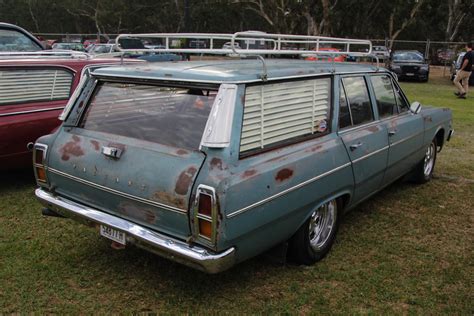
209,163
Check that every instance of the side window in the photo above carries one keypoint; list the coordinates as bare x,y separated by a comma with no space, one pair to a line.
386,103
34,85
402,104
344,112
281,112
358,97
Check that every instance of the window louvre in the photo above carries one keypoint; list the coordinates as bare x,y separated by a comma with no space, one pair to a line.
277,112
32,85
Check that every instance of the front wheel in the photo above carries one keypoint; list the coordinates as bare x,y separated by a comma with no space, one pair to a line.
424,170
314,239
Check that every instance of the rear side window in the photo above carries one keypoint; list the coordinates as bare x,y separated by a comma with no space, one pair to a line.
281,112
344,112
34,85
165,115
358,98
383,89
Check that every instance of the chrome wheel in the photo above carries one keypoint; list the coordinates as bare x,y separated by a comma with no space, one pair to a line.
321,224
429,160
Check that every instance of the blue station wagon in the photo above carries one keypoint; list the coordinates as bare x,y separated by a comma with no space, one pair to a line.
209,163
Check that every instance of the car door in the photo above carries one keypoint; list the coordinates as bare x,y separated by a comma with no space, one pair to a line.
364,137
405,129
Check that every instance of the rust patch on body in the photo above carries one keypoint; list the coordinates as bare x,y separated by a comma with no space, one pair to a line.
284,174
249,173
132,210
95,144
184,181
314,148
71,148
373,129
182,152
216,163
169,199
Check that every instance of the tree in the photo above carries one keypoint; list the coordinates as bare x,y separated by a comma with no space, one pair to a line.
457,12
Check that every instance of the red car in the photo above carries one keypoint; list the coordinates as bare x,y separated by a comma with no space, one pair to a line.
33,92
338,58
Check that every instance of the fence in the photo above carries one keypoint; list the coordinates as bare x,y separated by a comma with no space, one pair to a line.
439,53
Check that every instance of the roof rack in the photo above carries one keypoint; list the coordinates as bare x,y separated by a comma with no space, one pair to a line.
45,54
249,43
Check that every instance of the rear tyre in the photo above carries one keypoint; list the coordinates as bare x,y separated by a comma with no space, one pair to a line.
424,170
315,238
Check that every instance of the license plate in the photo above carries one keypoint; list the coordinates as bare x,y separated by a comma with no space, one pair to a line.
410,74
112,234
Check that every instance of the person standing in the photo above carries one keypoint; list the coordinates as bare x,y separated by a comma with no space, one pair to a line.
464,72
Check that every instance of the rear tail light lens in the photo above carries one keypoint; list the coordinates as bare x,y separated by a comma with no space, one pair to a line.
205,228
40,174
205,204
39,155
206,213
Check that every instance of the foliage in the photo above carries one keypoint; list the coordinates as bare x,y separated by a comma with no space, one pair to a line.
402,19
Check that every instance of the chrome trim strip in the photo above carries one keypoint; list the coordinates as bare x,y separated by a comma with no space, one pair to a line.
230,81
32,111
167,247
116,192
371,154
405,139
242,210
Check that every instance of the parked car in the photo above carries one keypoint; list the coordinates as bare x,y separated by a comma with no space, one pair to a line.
228,45
96,49
13,39
381,52
209,163
410,64
33,92
456,65
328,57
444,56
69,46
89,42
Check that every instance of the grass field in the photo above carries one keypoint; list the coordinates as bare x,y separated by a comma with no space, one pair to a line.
407,250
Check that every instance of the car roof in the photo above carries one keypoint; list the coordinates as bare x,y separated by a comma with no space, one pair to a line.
9,26
231,71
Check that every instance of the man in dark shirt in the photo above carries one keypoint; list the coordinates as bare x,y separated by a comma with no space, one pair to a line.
464,73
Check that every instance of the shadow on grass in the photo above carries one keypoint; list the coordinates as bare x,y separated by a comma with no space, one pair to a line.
16,179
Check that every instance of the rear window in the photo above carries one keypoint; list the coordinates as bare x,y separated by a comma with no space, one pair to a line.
165,115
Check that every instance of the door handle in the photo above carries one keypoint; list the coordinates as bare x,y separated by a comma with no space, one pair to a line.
355,146
112,152
392,132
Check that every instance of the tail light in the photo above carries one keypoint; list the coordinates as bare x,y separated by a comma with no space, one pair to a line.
39,157
205,217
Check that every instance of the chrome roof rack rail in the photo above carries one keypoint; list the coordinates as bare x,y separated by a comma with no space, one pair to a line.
45,54
248,43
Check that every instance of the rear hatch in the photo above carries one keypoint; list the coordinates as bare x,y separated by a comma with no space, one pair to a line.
134,153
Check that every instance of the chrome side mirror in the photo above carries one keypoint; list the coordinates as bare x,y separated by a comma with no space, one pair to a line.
415,107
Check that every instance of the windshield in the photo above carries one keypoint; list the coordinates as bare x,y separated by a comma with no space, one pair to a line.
408,56
165,115
14,41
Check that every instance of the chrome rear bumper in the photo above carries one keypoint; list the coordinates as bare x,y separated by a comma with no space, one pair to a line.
170,248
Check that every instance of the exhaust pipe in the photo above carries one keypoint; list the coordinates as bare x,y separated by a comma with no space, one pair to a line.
47,212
